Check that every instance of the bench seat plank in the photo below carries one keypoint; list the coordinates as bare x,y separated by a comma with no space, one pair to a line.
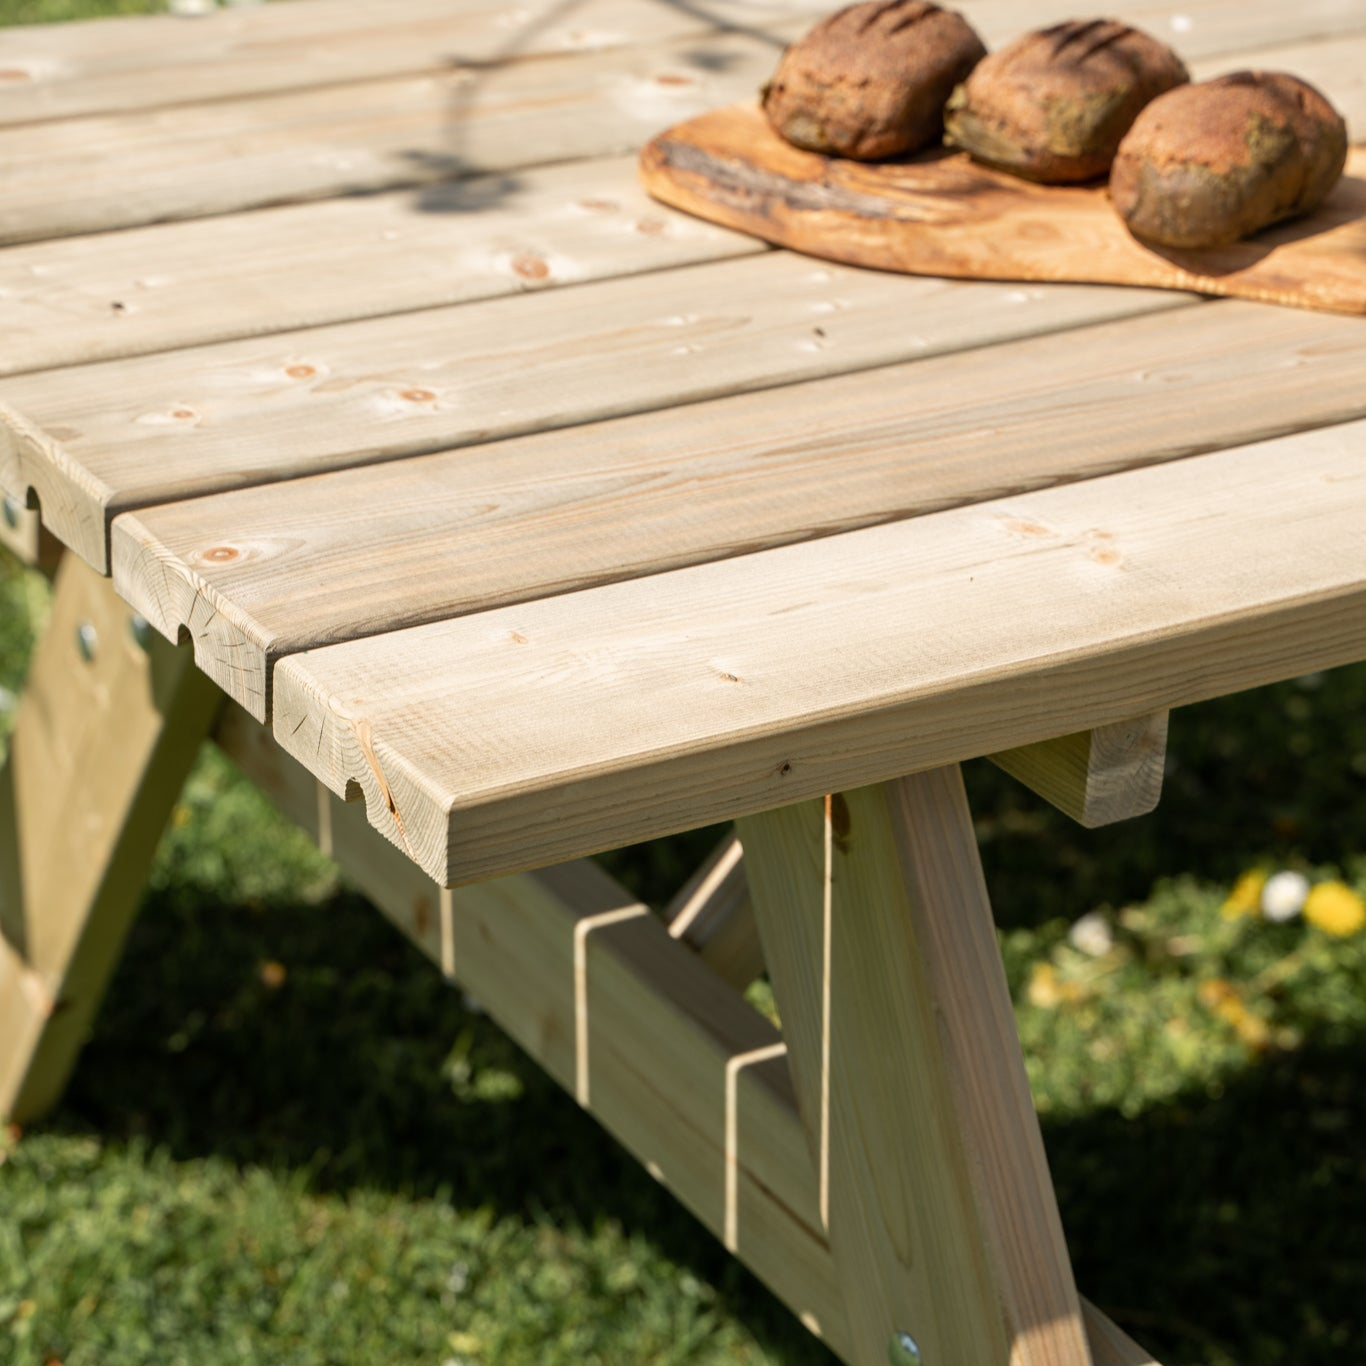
541,731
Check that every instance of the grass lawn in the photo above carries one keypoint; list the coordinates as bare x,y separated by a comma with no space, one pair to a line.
289,1141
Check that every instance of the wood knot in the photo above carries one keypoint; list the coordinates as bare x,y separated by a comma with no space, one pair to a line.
221,554
530,267
300,371
418,395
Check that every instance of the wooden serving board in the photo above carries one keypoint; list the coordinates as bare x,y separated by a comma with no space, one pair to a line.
942,214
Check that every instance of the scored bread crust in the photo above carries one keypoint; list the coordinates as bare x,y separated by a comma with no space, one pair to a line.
1053,105
871,81
1210,163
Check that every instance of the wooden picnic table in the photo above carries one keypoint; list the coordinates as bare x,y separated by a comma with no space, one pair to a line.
340,340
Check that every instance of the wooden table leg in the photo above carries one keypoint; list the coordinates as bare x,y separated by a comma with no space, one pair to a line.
105,733
934,1188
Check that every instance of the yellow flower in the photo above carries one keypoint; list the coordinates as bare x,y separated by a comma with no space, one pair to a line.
1335,908
1246,896
1222,998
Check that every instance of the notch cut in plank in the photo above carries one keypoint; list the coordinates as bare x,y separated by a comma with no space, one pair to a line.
881,948
76,300
570,724
1097,777
515,934
712,915
98,754
110,65
62,71
484,528
118,171
169,427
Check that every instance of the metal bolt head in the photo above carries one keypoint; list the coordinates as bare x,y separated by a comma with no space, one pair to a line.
903,1351
11,510
87,639
141,629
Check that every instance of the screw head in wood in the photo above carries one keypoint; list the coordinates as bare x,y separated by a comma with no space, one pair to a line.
904,1351
11,512
141,629
87,639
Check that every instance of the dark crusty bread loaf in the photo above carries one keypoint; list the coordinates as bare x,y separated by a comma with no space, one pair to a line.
1054,104
872,80
1210,163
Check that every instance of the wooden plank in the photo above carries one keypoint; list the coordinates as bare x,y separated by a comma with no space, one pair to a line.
1100,776
54,71
76,300
114,171
950,215
933,1184
515,952
164,428
548,729
99,750
83,175
263,573
712,915
23,536
66,70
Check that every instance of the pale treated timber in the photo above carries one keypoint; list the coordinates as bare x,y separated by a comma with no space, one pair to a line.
108,66
111,171
511,944
76,300
933,1184
556,727
98,754
116,171
1097,777
61,71
486,527
25,537
712,915
161,428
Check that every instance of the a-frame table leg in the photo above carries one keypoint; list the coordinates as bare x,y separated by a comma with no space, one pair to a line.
105,733
942,1221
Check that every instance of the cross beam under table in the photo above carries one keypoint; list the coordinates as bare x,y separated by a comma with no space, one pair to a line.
878,1164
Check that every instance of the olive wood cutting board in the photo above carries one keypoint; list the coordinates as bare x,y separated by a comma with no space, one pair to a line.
940,213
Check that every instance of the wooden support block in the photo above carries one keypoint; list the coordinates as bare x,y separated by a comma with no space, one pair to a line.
1096,776
741,1165
711,914
931,1172
25,537
105,732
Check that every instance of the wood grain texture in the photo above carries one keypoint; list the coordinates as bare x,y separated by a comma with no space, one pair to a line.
66,70
75,300
98,754
1098,776
944,214
514,934
62,71
121,170
552,728
163,428
556,512
880,944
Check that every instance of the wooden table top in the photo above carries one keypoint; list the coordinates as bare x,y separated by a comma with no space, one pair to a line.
551,519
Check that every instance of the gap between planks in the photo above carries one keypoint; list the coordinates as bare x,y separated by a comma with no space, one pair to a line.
570,724
265,573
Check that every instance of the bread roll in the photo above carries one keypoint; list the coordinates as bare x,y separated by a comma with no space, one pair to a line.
1053,105
1210,163
872,80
